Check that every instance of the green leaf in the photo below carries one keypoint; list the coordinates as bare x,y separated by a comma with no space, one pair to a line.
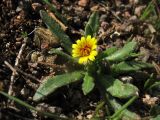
93,24
157,24
130,66
51,83
56,30
150,81
125,114
148,11
121,90
109,51
119,111
51,115
155,110
106,53
156,118
117,88
122,53
61,53
100,105
88,84
53,9
156,84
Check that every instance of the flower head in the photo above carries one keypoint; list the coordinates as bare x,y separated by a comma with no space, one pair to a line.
85,49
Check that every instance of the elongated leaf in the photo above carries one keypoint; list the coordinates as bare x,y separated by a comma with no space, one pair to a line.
56,30
51,83
92,25
51,115
156,84
148,11
88,84
126,114
156,118
109,51
150,81
122,53
106,53
53,9
61,53
155,110
131,66
157,24
128,103
117,88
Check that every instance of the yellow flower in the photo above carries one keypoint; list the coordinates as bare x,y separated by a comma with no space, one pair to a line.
85,49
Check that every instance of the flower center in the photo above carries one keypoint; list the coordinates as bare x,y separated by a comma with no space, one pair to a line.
85,51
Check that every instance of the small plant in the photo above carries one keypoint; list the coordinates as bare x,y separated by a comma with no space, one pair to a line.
151,14
100,69
24,34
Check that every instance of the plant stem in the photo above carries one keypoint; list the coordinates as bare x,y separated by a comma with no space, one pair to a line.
98,107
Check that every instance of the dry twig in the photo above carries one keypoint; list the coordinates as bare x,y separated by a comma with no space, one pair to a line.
10,91
17,70
28,75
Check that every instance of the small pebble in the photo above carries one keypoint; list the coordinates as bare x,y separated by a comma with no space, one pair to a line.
134,2
138,10
83,3
18,9
19,39
66,2
103,18
18,43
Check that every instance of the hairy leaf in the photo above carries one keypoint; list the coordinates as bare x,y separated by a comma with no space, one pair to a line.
53,9
92,25
117,88
130,66
61,53
106,53
122,53
156,118
51,83
56,30
126,114
88,84
155,110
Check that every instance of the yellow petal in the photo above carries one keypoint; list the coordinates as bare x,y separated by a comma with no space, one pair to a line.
94,53
94,40
94,47
75,55
80,61
83,60
82,38
83,41
74,45
88,37
78,41
91,57
76,51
